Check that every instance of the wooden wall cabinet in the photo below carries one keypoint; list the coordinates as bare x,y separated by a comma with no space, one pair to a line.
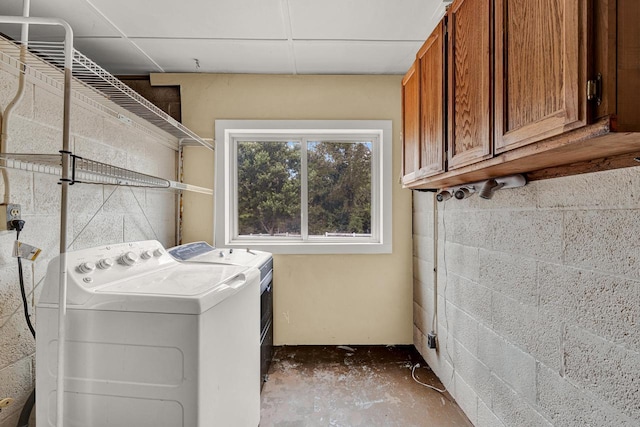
540,70
469,81
545,91
423,90
411,124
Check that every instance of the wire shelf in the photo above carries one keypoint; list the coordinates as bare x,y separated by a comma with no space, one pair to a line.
92,82
86,171
83,170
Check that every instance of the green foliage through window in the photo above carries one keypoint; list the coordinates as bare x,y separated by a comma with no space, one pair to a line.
338,186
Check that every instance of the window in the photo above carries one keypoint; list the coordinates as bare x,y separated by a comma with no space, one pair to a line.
304,186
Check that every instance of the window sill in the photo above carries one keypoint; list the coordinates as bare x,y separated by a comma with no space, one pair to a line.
310,248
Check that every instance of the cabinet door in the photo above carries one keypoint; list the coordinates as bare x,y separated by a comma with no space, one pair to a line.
470,134
411,124
432,77
540,70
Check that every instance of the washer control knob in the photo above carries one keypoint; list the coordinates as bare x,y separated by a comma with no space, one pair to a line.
105,264
220,254
158,253
129,258
86,267
145,255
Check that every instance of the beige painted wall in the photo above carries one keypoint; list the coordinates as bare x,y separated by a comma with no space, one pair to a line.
319,299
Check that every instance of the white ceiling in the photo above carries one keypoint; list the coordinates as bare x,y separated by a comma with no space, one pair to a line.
241,36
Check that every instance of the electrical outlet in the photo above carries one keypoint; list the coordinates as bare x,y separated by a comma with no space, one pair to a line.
431,340
9,212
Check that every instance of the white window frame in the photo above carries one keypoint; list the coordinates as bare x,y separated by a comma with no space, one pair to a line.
225,227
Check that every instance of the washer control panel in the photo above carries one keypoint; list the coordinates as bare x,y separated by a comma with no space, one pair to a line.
109,263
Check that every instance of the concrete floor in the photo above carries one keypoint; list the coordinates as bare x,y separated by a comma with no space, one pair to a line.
369,386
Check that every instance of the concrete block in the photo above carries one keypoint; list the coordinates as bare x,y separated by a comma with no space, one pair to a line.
511,409
47,194
459,259
538,332
86,123
48,107
469,367
165,230
8,90
423,295
564,404
423,247
85,198
422,202
592,190
116,134
535,234
470,297
607,370
423,223
467,228
486,417
604,240
608,306
101,230
421,318
17,382
466,398
509,274
7,239
509,363
423,271
136,227
16,340
10,299
96,151
42,231
158,203
166,162
461,326
418,341
124,200
27,136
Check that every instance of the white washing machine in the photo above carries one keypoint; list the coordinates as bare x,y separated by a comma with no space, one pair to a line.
202,252
151,342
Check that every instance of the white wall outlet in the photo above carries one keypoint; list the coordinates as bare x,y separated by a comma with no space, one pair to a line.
9,212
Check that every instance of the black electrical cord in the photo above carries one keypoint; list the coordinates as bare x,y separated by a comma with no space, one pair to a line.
18,225
25,414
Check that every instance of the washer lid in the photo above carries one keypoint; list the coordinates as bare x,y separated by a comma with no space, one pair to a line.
181,280
185,289
203,252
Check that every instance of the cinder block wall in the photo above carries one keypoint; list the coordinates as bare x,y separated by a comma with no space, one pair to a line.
538,301
119,215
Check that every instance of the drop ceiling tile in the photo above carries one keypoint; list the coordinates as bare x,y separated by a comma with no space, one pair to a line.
219,56
244,19
320,57
84,20
117,56
362,19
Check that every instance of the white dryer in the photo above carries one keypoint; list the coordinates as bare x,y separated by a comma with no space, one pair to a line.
202,252
151,342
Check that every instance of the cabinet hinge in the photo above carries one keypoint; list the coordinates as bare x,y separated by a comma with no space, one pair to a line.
594,89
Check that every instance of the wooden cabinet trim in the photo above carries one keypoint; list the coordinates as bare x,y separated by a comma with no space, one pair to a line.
587,143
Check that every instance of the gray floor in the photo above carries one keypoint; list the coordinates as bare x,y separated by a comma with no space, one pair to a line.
368,386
